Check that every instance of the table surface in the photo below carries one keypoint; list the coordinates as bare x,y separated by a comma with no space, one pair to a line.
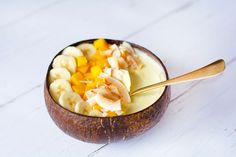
185,34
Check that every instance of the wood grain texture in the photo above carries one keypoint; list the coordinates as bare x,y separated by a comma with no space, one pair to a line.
185,34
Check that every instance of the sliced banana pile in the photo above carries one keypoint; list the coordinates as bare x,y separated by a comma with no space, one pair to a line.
93,79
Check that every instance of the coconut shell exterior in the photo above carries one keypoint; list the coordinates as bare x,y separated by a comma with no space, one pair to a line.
107,129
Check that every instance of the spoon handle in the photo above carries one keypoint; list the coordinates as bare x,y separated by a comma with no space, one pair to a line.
205,72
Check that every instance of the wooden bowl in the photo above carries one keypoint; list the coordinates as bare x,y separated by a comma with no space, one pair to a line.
107,129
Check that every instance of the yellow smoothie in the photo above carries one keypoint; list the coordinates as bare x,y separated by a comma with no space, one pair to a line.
152,72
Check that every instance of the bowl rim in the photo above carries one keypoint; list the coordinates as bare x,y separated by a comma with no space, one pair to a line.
143,49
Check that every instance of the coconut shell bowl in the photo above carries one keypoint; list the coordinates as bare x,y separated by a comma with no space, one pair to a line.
107,129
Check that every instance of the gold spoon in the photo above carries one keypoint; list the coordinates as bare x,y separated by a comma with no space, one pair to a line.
207,71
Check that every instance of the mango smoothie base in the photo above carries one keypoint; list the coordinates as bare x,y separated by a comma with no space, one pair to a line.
151,73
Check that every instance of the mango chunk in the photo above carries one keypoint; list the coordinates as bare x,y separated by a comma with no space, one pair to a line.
102,63
84,96
96,70
97,107
99,81
98,56
92,62
111,114
80,88
81,61
75,78
101,44
83,69
89,76
89,87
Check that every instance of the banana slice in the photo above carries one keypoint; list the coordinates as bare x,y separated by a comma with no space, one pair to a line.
59,73
108,104
63,61
69,99
72,51
83,108
58,87
87,49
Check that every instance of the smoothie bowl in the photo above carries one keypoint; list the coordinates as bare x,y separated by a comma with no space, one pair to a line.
87,90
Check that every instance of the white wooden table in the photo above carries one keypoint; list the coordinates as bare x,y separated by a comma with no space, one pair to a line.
185,34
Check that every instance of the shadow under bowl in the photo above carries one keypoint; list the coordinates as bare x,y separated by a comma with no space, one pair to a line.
107,129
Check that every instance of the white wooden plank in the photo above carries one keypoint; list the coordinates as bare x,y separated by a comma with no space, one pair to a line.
30,45
73,20
179,32
198,124
27,130
193,37
24,115
12,12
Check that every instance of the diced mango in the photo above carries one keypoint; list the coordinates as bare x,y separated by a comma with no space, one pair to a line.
83,69
92,62
101,44
89,76
81,61
80,88
75,78
97,107
96,70
91,85
111,114
98,56
84,96
88,87
103,63
100,81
